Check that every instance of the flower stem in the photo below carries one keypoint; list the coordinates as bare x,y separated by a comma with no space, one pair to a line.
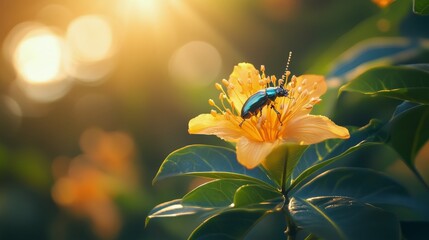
291,228
284,174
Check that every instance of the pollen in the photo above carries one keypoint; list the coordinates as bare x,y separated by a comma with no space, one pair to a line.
218,86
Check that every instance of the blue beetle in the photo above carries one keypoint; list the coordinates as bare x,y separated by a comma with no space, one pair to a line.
262,98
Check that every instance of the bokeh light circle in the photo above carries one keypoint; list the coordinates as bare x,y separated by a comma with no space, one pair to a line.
196,63
90,38
90,46
38,56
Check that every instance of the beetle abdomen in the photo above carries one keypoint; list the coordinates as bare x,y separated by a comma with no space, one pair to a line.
254,104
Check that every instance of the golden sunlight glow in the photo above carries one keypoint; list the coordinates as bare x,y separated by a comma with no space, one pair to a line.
90,38
145,5
90,45
196,62
144,8
38,57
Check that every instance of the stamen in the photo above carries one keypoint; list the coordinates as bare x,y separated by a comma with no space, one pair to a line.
315,100
225,82
213,113
304,93
292,82
308,106
218,87
231,103
273,79
212,103
221,96
286,75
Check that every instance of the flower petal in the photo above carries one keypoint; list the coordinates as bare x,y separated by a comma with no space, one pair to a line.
251,153
245,81
310,129
209,125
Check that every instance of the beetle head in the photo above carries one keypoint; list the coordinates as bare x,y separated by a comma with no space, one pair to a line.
281,92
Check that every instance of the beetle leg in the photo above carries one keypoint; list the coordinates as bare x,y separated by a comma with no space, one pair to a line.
277,112
260,112
242,122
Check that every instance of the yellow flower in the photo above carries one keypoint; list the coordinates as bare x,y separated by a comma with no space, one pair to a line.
261,133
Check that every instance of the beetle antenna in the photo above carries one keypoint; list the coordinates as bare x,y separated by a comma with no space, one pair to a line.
288,61
286,75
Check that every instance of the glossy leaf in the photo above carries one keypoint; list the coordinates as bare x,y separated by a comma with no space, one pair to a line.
366,186
404,83
343,218
275,161
320,155
233,224
209,161
402,108
217,193
421,7
175,208
409,132
252,195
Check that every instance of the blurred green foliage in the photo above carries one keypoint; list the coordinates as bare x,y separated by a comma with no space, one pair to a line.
141,98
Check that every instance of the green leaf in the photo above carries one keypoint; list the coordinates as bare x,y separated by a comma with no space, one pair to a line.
253,195
275,161
209,161
404,83
320,155
409,132
175,208
233,224
217,193
421,7
366,186
343,218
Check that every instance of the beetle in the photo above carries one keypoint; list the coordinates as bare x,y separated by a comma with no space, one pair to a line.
262,98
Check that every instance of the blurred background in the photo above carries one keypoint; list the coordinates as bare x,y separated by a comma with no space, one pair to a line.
95,94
